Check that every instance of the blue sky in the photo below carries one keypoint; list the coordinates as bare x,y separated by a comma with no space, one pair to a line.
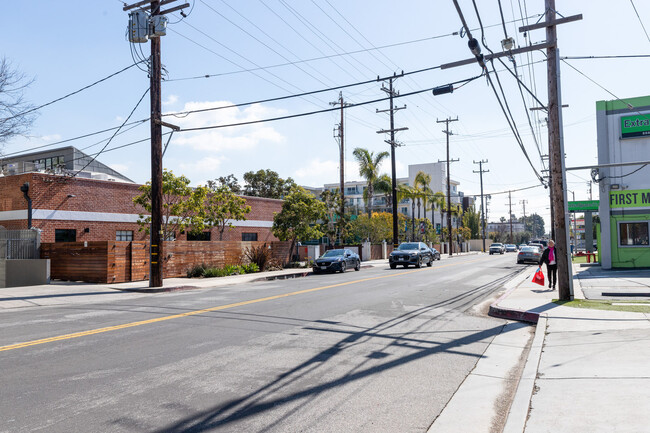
66,47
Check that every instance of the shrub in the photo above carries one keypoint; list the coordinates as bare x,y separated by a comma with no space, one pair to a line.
260,255
196,271
215,272
251,268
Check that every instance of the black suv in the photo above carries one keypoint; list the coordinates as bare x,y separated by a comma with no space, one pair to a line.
411,253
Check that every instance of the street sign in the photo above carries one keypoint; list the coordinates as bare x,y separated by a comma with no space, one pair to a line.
583,206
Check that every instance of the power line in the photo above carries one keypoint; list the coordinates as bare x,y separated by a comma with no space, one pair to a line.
111,139
309,113
641,22
72,93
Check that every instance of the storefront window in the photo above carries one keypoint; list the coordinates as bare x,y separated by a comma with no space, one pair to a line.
633,234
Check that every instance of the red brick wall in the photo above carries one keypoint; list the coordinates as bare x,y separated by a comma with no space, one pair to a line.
89,195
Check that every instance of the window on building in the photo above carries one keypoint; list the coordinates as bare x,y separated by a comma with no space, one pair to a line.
249,237
65,235
203,236
124,235
633,234
49,163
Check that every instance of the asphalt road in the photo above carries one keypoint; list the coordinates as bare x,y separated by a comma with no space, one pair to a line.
378,350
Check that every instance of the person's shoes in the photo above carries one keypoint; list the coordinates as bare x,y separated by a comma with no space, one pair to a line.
553,286
549,285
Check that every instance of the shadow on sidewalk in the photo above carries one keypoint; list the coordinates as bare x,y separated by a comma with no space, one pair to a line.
58,295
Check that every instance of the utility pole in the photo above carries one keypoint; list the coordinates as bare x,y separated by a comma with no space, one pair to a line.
523,202
391,93
481,171
339,133
156,25
448,133
510,213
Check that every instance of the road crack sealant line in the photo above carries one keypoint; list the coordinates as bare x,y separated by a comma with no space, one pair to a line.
211,309
512,313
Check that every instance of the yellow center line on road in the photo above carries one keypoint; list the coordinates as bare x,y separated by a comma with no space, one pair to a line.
207,310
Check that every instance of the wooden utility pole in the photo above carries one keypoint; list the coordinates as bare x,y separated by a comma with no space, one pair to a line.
156,236
510,213
391,93
481,171
340,134
523,202
449,161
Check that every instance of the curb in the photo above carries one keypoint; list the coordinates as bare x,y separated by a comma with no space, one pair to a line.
518,413
512,314
159,289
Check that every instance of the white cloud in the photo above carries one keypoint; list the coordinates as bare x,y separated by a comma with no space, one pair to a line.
51,137
204,165
245,137
171,100
317,168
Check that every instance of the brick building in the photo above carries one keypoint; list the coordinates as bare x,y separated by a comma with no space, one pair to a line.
79,209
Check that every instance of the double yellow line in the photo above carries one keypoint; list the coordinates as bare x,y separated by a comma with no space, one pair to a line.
205,310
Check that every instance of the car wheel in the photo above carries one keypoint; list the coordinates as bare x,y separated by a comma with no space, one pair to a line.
518,262
316,271
430,262
343,267
419,263
358,266
490,252
393,266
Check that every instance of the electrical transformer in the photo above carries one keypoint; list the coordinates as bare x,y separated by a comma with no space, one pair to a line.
138,27
159,26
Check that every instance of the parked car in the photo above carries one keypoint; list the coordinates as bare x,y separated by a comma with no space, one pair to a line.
510,248
435,253
337,260
529,254
497,248
411,253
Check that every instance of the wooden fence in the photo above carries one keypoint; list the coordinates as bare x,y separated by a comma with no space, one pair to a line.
117,262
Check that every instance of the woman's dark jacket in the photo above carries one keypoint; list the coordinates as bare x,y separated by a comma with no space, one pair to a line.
545,259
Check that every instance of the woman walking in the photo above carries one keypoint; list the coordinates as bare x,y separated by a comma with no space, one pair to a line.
548,257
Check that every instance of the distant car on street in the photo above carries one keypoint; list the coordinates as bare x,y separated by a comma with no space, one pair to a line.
542,242
511,248
337,260
536,245
521,246
497,248
411,253
435,253
529,254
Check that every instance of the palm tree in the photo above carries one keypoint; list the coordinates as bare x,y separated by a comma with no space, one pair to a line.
421,183
384,185
411,193
437,202
369,169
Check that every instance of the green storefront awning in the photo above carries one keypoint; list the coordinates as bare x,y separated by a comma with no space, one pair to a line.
583,206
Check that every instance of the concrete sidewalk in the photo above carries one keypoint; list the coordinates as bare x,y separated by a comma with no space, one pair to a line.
587,370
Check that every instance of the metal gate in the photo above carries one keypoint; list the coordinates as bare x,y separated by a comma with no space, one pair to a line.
19,244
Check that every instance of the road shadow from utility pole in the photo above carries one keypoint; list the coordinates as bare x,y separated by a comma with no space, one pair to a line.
269,396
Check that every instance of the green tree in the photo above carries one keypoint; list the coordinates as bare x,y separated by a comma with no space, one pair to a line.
334,226
384,186
298,217
472,220
181,205
221,207
421,184
369,169
534,224
406,192
230,181
266,183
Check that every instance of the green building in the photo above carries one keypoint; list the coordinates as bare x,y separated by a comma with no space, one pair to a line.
624,137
